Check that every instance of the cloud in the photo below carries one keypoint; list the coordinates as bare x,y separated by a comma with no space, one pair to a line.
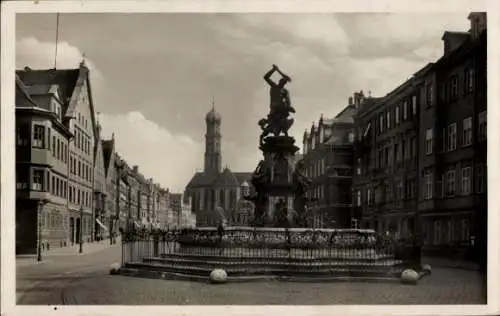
41,55
166,157
169,76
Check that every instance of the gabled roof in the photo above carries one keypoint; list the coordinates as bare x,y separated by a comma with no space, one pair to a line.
22,91
226,178
108,148
41,81
200,179
69,83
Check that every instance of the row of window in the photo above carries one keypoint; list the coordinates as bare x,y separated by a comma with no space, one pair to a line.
434,231
449,89
440,232
53,219
80,197
449,135
59,149
404,190
392,154
57,146
397,115
82,141
57,186
449,184
315,169
81,119
80,168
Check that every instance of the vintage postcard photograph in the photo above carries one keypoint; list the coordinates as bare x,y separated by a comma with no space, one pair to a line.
193,155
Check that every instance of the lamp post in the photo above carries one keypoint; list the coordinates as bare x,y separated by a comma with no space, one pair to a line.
39,230
81,230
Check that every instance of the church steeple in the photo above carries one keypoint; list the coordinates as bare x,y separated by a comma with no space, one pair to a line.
212,141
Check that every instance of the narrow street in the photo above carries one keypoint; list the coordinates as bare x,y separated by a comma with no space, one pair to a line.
44,283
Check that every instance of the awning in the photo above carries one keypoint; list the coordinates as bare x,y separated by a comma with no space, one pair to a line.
101,224
367,129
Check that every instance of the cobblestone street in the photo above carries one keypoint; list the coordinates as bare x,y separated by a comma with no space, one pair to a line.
87,282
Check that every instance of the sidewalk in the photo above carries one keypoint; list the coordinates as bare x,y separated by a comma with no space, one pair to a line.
450,263
74,250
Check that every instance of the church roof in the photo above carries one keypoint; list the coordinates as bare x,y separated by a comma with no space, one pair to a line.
200,179
226,178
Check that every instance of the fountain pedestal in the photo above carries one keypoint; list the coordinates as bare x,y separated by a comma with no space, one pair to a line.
274,183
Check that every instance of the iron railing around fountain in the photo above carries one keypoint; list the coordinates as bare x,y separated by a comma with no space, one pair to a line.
264,245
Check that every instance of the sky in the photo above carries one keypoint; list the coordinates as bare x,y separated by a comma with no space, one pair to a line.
153,76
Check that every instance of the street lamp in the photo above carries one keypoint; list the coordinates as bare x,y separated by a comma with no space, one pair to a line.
81,230
39,233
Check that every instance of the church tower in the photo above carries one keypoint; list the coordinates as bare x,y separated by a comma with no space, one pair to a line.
212,142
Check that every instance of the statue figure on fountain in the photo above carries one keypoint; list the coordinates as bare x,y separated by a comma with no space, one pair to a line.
277,120
281,214
301,186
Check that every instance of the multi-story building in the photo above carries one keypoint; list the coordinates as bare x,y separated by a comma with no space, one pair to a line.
327,156
164,209
386,159
124,192
453,208
421,151
112,185
56,129
156,197
101,230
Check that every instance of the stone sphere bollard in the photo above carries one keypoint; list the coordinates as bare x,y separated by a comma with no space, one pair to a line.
218,276
114,268
409,276
426,268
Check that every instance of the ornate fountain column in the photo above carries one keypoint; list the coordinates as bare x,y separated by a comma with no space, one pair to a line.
277,186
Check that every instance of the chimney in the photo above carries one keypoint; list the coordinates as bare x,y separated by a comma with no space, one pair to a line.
350,101
477,23
136,169
453,40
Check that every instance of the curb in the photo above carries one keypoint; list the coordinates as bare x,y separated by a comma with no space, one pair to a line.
150,274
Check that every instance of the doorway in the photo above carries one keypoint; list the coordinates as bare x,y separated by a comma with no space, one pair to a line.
78,229
72,230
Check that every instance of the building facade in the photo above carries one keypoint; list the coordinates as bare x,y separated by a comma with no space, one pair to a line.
112,185
453,135
101,228
56,132
327,156
214,192
386,159
164,209
420,151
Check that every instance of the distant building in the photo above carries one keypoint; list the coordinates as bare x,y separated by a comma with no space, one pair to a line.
112,185
327,156
164,209
214,189
101,229
181,205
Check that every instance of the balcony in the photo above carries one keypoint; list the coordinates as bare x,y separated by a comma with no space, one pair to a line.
41,156
39,195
